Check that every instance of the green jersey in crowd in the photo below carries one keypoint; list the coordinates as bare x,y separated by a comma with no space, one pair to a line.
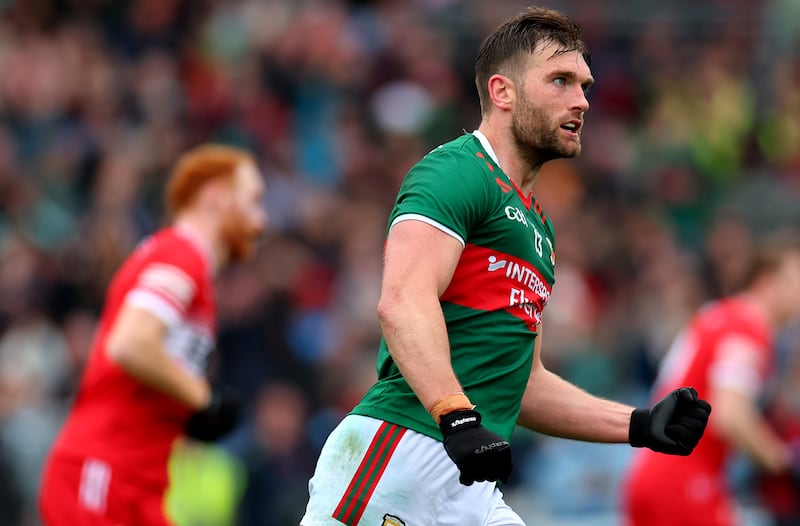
493,304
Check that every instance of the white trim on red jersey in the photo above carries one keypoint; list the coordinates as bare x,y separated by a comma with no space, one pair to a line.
739,364
164,290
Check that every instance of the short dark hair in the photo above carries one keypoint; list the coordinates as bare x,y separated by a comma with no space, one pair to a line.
503,48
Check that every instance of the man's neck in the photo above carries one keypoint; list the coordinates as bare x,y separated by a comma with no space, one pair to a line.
205,231
761,303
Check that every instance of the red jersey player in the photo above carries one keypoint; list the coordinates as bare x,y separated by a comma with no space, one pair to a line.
726,353
144,383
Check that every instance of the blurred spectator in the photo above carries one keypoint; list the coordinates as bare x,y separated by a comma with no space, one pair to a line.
278,458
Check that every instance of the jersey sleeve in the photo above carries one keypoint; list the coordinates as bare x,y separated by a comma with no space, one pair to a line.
168,282
446,190
740,363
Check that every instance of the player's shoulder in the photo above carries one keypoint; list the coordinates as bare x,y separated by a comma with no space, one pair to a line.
172,246
464,152
166,240
459,162
735,314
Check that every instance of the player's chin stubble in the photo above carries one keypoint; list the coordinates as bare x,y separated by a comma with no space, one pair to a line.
535,137
239,239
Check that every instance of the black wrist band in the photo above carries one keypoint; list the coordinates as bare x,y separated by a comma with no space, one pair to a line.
637,431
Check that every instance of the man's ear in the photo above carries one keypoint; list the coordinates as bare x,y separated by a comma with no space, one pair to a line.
216,194
502,91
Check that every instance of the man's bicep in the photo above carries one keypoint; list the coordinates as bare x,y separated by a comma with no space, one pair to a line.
418,254
167,287
740,364
133,328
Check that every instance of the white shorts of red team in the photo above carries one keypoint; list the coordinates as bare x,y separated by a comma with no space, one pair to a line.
372,473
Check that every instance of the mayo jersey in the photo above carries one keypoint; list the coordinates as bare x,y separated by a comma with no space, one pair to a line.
493,305
115,418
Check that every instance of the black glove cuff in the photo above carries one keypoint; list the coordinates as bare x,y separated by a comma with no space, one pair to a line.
218,418
638,429
456,421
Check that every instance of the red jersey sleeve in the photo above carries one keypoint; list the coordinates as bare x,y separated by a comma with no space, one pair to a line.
169,279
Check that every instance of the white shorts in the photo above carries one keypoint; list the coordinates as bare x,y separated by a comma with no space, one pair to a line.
372,473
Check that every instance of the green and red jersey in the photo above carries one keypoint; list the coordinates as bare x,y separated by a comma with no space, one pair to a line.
493,304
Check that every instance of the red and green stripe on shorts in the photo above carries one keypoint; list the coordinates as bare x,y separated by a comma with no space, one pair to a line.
354,501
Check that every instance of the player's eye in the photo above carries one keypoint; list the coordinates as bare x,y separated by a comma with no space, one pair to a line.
560,81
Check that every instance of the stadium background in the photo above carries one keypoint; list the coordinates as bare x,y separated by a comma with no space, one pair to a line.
691,149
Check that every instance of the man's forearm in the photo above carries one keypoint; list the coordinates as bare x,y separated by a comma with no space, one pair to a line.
741,423
555,407
156,369
417,340
763,446
135,344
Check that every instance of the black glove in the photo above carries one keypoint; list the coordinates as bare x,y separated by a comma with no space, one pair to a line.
673,425
218,418
479,454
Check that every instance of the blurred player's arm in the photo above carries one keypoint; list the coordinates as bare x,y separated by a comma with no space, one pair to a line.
554,406
135,343
419,263
735,383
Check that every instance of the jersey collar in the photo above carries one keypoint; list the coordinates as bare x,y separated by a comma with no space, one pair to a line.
526,199
487,146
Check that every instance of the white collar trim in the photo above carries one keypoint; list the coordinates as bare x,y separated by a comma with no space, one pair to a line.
487,146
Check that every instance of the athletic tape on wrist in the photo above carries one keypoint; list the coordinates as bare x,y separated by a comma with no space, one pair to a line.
448,404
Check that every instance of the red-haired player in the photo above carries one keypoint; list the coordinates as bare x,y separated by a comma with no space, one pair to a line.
145,381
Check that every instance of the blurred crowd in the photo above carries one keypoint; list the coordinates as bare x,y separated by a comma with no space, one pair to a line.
691,151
